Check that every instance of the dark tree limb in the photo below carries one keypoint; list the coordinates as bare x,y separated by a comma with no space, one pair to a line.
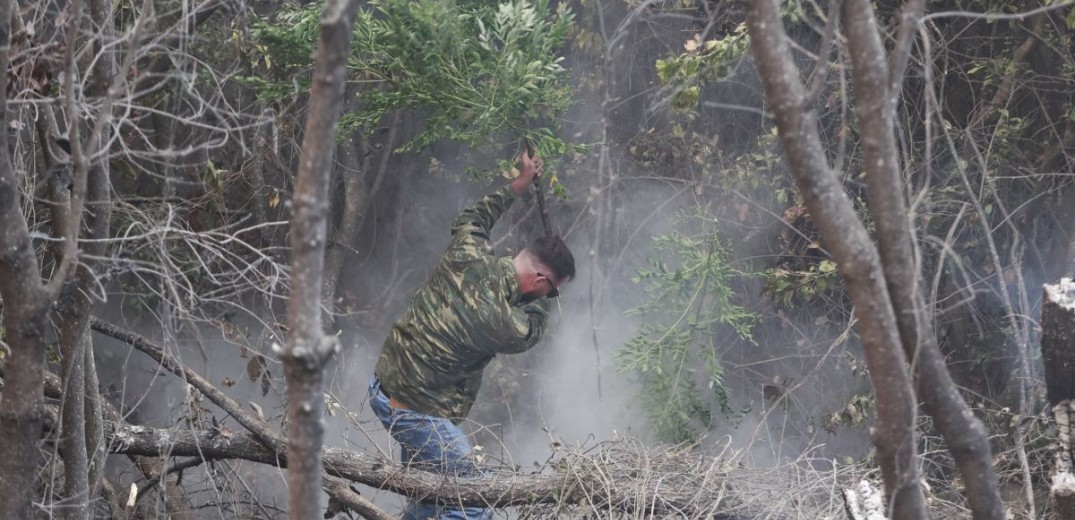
259,428
858,261
878,87
25,322
350,499
1018,66
910,16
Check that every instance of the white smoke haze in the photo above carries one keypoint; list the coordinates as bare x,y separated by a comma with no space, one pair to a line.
568,389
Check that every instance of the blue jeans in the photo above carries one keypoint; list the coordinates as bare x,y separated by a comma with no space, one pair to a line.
429,443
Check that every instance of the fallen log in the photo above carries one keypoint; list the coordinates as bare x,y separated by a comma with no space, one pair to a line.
687,494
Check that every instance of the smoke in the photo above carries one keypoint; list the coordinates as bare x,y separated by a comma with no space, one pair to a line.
568,389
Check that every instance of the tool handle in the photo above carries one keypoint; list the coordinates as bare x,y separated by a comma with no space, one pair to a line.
539,192
541,207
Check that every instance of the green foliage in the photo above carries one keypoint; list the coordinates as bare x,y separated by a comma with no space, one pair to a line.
791,287
710,60
281,52
675,352
701,62
475,69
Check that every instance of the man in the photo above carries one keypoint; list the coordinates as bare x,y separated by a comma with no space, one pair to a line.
474,306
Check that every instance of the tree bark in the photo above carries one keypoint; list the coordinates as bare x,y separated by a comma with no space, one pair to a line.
877,91
72,440
858,261
76,298
25,322
308,349
95,447
1058,340
1062,490
355,204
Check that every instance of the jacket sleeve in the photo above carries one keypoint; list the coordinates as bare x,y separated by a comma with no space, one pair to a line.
470,231
512,330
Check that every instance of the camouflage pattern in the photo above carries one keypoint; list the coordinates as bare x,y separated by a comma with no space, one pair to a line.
469,311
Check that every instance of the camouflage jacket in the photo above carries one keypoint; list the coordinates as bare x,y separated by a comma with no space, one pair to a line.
468,311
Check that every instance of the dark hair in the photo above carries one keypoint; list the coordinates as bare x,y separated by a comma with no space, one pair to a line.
553,252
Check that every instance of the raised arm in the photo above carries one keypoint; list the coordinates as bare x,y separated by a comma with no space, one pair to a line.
473,225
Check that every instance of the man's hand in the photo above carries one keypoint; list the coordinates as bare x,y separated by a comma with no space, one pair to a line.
529,169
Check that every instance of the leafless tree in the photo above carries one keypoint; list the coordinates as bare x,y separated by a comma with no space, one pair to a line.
896,311
308,348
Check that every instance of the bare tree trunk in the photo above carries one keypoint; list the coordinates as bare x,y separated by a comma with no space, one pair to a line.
356,202
1058,340
95,446
846,238
877,88
73,417
25,322
76,299
1058,353
25,329
308,349
259,190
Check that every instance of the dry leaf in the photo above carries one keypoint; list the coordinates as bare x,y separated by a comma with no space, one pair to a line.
691,45
255,367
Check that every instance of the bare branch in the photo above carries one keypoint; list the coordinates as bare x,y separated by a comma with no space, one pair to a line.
995,15
340,491
263,432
